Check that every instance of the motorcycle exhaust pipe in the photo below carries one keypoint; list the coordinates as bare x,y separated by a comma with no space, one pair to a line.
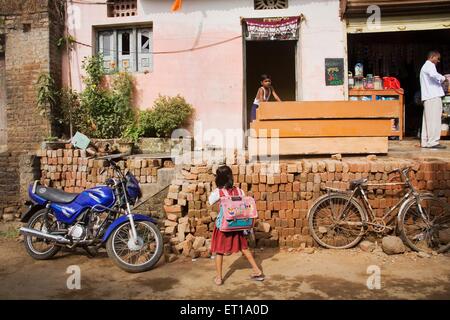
42,235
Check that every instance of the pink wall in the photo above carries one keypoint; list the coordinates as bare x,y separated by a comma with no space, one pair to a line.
212,79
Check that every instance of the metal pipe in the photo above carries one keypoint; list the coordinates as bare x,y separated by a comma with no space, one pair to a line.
39,234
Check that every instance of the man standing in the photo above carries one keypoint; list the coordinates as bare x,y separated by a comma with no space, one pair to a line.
432,93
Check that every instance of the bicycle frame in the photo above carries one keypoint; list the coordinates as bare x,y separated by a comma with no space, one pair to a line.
388,216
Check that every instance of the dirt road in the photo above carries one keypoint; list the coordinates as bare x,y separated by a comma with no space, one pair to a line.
325,274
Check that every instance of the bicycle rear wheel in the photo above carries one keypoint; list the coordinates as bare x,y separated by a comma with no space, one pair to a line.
335,222
429,231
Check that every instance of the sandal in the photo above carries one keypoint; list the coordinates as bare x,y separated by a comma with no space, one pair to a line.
257,277
218,281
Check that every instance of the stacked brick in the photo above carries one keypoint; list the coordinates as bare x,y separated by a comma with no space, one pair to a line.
285,192
184,242
9,187
72,170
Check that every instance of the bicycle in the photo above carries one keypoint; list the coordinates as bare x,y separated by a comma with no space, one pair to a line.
340,218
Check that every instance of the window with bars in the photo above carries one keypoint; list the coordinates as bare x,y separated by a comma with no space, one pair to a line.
122,8
127,49
270,4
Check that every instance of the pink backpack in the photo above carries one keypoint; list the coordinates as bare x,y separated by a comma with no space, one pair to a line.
237,213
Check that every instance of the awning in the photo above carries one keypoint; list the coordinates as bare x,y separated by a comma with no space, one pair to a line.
358,8
400,23
281,28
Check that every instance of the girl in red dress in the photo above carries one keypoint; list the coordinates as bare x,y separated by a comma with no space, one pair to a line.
226,243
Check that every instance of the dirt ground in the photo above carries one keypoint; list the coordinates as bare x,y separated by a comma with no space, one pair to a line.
324,274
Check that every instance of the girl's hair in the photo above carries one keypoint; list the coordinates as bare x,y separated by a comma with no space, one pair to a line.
224,177
265,77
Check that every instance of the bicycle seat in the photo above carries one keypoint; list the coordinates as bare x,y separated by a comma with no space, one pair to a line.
357,183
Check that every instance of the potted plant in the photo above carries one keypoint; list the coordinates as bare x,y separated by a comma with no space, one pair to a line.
129,138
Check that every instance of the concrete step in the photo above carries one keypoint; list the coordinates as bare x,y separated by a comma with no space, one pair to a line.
164,178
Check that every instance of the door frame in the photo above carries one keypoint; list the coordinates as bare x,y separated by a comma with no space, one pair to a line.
244,82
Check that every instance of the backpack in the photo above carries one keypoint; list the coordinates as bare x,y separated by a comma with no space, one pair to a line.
237,213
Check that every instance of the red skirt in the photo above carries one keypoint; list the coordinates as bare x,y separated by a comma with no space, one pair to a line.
228,242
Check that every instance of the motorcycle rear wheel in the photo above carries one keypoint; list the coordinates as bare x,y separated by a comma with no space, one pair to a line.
30,242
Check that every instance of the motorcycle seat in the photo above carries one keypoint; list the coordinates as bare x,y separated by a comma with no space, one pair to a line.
55,195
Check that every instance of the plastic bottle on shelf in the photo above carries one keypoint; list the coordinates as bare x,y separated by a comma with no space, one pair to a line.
351,80
378,83
369,82
359,70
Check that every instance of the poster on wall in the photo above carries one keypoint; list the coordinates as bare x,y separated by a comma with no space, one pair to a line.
334,71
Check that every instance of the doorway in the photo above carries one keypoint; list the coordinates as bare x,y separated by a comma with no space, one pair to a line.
401,55
275,58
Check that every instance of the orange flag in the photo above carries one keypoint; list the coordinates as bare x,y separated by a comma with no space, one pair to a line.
176,5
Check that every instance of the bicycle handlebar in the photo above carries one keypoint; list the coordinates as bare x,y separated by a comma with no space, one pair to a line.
403,171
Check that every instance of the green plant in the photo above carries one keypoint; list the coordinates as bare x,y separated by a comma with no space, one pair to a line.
10,233
70,112
51,139
94,68
132,133
47,99
100,111
109,111
64,41
47,94
145,123
168,114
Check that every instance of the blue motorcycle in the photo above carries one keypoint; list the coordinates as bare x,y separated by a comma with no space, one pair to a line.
92,219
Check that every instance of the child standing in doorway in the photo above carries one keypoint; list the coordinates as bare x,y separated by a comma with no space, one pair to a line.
226,243
263,94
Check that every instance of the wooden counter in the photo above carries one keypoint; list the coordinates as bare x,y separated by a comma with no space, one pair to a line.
322,127
376,96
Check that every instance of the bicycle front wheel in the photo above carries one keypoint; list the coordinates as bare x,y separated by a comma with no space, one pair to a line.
428,230
336,221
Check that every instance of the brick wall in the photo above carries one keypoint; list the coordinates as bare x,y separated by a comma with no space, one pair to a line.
71,170
31,29
284,195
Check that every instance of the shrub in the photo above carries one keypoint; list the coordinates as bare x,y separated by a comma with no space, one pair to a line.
108,111
145,123
132,133
168,114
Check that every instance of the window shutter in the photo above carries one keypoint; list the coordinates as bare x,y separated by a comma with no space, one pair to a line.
127,50
106,46
144,45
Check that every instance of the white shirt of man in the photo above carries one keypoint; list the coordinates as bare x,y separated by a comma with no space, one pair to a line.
431,82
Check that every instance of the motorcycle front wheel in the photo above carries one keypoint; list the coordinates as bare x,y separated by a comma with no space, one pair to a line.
135,257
